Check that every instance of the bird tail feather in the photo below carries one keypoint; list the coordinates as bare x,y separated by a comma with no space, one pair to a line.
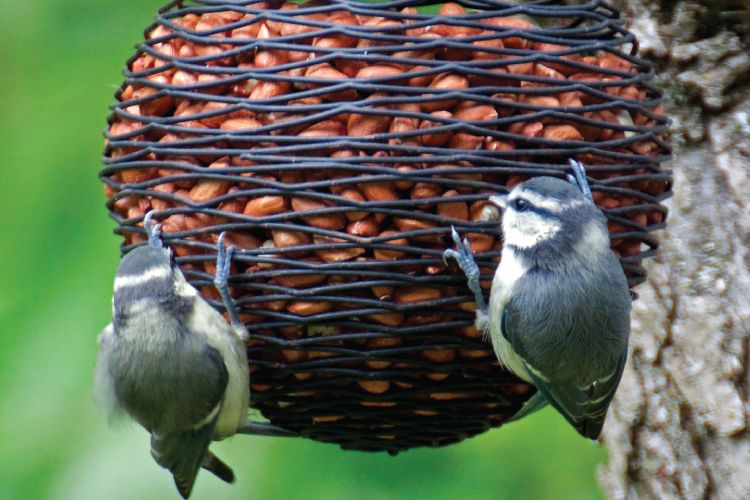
533,404
183,453
213,464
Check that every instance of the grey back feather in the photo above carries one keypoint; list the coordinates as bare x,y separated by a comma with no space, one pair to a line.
163,387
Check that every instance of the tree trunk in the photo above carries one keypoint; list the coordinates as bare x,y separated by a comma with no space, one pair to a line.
678,427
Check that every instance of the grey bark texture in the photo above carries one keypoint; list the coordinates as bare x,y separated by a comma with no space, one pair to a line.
678,427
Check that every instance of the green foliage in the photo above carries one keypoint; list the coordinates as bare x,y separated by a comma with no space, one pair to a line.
61,67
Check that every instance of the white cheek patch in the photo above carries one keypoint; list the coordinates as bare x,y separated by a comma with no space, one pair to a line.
140,306
527,229
593,241
182,287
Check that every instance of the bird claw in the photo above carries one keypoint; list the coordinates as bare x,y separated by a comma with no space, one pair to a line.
223,263
449,254
153,231
465,260
580,179
221,281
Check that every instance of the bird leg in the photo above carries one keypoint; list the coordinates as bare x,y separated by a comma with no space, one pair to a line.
580,179
262,429
221,282
153,230
465,260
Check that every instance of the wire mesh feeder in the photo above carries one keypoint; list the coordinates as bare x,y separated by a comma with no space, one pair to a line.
337,142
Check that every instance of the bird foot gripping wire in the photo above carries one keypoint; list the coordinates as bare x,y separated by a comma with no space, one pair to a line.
221,282
153,230
465,260
580,180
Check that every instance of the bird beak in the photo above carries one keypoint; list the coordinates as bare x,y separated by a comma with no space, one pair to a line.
500,201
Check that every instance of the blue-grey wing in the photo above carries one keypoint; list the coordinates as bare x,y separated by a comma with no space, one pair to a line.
532,405
583,404
584,407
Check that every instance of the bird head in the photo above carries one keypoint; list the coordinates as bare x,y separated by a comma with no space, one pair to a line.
546,213
149,273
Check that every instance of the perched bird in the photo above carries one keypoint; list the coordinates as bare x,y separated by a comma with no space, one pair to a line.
559,311
172,362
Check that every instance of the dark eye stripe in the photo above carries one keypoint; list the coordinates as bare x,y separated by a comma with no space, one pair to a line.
520,204
530,207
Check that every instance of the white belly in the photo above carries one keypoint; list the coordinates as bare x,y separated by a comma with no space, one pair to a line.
222,337
233,413
511,268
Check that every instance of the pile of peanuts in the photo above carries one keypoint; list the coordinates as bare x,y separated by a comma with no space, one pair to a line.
352,156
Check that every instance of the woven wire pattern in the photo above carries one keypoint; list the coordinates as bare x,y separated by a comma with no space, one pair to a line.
337,142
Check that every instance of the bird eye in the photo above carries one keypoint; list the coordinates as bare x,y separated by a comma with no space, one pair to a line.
520,205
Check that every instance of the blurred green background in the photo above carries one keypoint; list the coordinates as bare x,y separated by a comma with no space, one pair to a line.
61,63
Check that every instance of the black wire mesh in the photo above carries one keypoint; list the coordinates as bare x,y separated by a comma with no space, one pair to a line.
337,142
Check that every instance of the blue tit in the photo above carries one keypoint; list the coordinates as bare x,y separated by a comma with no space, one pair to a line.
559,308
172,362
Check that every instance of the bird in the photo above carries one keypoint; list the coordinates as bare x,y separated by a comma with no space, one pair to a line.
559,308
172,363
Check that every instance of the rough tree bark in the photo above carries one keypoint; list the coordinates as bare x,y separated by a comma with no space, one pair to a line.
679,426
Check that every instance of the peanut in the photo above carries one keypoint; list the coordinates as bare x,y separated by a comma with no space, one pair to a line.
440,355
327,128
431,139
444,81
445,396
378,365
265,205
235,124
374,386
378,191
481,112
328,72
389,319
406,294
512,23
462,140
422,190
364,228
332,221
379,71
561,133
453,210
308,308
382,254
351,193
366,125
283,238
383,292
300,280
325,419
336,254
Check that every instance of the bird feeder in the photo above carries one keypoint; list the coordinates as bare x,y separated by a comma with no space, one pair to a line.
337,142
